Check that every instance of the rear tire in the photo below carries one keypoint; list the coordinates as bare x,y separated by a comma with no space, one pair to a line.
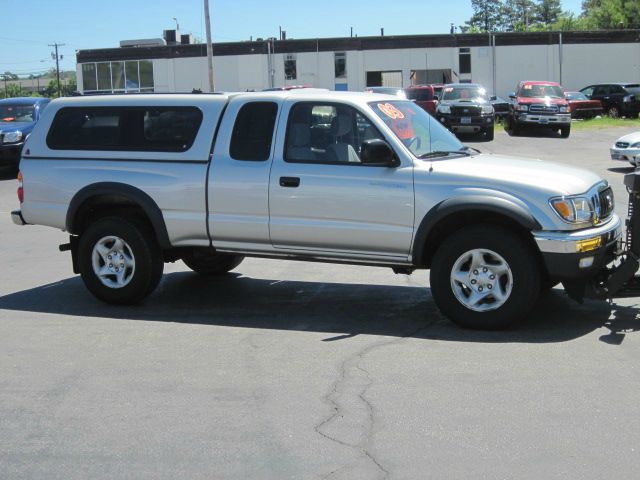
210,263
473,258
120,261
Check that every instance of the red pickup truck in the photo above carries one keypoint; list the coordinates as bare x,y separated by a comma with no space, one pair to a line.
539,104
424,96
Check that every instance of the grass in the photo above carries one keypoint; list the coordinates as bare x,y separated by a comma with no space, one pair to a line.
605,122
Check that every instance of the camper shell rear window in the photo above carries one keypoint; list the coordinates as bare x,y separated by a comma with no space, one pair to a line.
152,129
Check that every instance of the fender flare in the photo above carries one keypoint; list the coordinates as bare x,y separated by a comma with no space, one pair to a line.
133,194
468,203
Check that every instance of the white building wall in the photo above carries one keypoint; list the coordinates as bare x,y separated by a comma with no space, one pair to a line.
583,64
586,64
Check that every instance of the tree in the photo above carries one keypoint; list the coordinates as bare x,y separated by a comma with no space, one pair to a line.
518,15
13,90
612,14
548,11
486,15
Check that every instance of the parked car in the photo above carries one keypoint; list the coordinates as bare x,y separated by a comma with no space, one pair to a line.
395,91
133,180
618,99
424,96
539,104
627,148
582,106
466,108
500,108
437,88
17,118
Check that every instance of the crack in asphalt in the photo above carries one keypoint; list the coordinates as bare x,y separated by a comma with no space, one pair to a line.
352,409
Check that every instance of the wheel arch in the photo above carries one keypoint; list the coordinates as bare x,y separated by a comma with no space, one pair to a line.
453,214
103,195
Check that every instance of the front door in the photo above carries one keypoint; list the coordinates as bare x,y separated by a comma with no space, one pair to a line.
322,199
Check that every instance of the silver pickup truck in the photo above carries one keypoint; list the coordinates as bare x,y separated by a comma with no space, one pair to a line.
354,178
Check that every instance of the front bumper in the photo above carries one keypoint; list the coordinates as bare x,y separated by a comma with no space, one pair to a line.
563,119
562,253
624,154
10,154
466,124
16,217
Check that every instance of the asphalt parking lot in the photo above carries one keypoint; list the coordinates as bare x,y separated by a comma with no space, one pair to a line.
308,371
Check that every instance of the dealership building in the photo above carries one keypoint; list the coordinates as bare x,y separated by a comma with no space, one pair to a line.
498,61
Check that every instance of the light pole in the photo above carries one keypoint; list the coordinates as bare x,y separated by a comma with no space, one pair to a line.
207,23
177,24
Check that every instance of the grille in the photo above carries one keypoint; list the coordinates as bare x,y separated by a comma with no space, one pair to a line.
466,111
604,203
622,144
538,108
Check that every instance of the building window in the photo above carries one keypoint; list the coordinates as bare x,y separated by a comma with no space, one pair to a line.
132,76
464,58
290,67
340,62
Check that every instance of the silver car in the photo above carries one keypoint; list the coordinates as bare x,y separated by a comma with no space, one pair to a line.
627,149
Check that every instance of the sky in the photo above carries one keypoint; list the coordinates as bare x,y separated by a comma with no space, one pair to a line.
29,26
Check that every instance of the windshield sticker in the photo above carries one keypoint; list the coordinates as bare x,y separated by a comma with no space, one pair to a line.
527,87
448,89
390,111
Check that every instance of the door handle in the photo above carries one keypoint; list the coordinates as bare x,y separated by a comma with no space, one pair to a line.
289,182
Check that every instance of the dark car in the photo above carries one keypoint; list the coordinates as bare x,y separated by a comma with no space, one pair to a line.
17,118
618,99
500,108
466,108
424,96
581,106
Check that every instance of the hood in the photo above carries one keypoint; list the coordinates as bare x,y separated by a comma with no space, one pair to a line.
13,126
500,171
468,102
630,138
545,100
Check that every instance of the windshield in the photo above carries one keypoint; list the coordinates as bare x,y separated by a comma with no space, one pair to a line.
576,96
16,113
464,93
419,131
536,91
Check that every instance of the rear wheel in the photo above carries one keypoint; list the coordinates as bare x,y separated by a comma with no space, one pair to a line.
614,111
484,277
120,261
211,263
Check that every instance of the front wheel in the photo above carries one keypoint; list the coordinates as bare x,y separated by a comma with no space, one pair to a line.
489,133
565,131
484,277
614,111
120,261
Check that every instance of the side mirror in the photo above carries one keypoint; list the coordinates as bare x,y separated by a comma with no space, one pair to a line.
377,152
493,98
512,95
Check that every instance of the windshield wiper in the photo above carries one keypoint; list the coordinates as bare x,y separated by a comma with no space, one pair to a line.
444,153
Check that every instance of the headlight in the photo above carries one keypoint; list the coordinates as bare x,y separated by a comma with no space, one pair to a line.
565,109
573,209
627,98
487,109
12,137
635,145
522,108
444,109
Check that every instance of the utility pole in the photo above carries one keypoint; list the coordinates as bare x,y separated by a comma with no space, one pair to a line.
57,59
207,23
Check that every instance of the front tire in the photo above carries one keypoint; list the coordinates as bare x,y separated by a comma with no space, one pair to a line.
209,263
120,261
485,277
489,134
565,132
613,112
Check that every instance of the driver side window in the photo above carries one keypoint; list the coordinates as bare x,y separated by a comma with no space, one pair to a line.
327,133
